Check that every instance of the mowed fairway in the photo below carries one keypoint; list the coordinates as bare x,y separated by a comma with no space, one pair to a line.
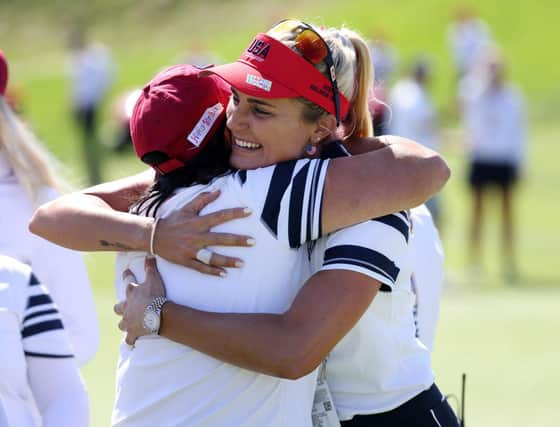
503,336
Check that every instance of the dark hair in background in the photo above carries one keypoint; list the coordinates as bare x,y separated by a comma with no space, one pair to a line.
212,161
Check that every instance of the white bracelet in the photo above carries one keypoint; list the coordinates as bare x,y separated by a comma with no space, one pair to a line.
153,237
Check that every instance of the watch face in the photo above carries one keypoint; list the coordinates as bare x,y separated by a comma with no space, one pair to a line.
151,321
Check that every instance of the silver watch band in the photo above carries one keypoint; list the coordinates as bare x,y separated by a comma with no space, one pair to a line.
157,304
151,324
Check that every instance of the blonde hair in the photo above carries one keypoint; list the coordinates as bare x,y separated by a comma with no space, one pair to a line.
33,166
354,75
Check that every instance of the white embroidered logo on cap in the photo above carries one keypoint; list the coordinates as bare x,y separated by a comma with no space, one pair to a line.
205,123
259,82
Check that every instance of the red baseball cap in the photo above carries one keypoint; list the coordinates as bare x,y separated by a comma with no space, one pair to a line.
3,73
270,69
176,114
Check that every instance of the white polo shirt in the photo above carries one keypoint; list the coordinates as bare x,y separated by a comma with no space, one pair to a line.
379,364
495,121
54,265
163,383
30,326
413,113
427,259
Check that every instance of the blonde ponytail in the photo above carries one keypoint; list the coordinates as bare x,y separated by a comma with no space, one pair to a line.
33,166
359,123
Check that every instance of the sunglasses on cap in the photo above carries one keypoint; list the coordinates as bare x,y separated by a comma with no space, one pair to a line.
313,49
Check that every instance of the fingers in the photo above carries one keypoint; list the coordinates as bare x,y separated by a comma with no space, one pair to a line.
130,340
153,279
128,276
200,201
225,215
205,269
119,308
150,265
225,239
129,289
218,260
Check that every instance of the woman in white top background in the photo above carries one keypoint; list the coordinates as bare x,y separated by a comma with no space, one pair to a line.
28,179
494,118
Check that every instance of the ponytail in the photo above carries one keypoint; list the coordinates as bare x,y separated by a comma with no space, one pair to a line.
359,121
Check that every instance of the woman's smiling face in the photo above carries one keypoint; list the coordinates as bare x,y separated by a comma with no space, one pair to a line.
266,131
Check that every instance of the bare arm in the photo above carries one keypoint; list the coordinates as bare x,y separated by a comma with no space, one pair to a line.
287,345
96,219
401,175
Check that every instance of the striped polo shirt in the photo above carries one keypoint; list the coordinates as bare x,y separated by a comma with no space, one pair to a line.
30,326
164,383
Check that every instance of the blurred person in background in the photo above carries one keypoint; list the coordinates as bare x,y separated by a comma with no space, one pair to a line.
384,61
494,119
40,383
383,56
27,179
414,115
378,109
467,36
91,75
122,111
199,55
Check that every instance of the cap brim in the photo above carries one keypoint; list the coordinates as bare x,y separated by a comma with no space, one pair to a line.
245,78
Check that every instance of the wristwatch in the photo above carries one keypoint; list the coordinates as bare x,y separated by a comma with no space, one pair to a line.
152,315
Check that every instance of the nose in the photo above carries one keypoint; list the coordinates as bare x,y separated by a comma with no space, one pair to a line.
236,117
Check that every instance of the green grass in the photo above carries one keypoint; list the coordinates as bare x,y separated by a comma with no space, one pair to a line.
504,340
502,336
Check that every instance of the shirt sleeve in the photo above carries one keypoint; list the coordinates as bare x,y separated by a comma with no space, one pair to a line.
427,261
42,330
377,248
289,197
59,392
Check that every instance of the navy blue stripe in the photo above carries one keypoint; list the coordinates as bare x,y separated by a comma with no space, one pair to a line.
364,255
312,207
296,207
48,356
39,313
321,209
33,280
396,222
38,300
333,150
352,261
242,176
347,261
310,204
38,328
281,178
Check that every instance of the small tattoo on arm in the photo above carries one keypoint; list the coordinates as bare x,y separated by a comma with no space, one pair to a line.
115,245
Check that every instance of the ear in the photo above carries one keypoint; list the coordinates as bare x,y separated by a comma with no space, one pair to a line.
324,128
